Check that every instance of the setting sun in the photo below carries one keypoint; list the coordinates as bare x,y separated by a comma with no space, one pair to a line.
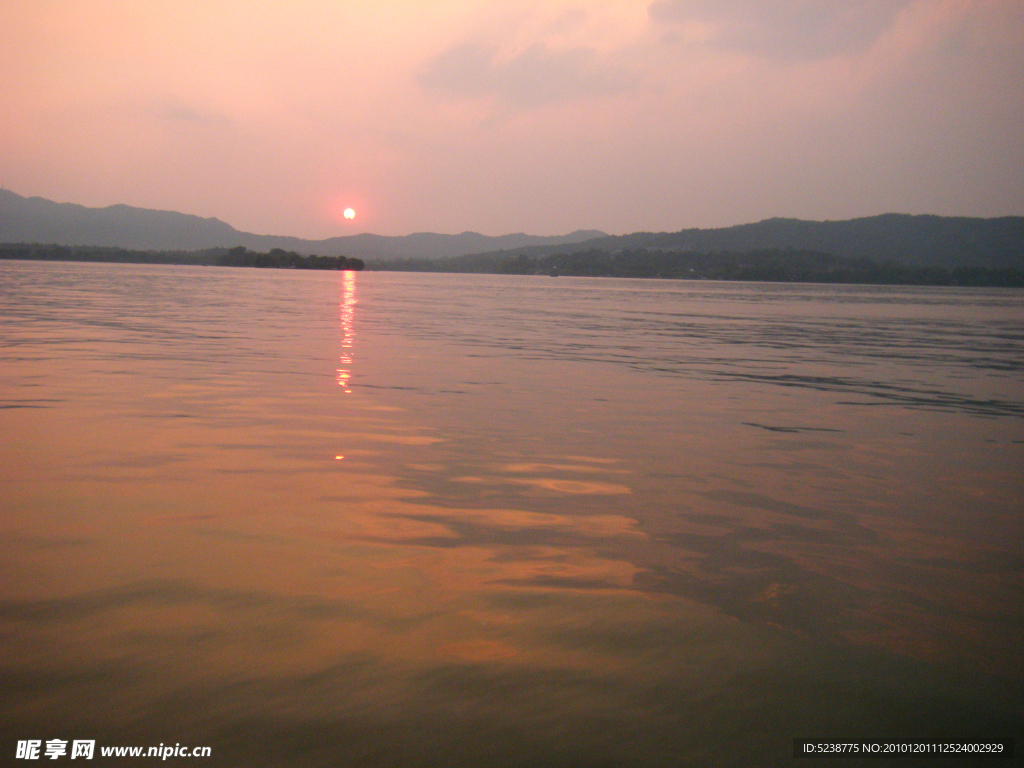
350,213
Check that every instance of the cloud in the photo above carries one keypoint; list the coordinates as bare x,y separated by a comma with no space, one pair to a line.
785,30
180,112
537,75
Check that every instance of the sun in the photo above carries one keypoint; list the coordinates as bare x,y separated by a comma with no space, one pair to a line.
350,213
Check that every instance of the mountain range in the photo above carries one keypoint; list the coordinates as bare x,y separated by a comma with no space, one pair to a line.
37,220
926,240
902,238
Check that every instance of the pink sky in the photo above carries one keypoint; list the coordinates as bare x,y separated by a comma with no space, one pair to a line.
540,117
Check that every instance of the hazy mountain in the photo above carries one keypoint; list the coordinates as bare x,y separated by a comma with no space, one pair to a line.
36,220
926,240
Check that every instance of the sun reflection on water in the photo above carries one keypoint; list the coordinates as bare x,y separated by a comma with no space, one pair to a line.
347,310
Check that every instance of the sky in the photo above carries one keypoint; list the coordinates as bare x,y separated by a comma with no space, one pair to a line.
515,116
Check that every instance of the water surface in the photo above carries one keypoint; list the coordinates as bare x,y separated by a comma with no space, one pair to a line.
409,519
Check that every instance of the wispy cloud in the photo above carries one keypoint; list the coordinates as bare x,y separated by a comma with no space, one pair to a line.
537,75
175,111
787,30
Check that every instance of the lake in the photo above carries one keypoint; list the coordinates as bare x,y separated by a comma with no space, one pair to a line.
399,519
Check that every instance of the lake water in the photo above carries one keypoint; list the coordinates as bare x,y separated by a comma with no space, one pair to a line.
387,519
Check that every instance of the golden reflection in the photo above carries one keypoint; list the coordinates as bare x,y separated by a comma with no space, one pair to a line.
347,310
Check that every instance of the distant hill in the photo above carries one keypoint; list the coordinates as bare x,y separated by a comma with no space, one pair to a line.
901,238
36,220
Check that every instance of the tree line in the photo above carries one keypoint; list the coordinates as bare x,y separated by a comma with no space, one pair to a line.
38,252
769,265
282,259
222,257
